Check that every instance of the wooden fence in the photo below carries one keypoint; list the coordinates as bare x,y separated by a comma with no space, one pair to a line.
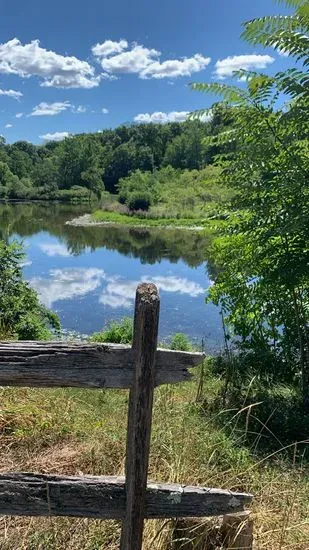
139,368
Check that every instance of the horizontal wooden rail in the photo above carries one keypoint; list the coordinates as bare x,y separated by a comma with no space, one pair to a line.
24,494
68,364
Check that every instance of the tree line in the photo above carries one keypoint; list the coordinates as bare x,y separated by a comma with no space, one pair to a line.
90,163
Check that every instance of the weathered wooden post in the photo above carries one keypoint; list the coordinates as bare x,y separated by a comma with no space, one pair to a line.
238,531
146,320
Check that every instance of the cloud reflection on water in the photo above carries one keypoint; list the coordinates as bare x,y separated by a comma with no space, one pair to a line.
121,293
69,283
65,284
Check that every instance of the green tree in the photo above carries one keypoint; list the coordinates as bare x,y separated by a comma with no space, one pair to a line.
263,287
92,178
19,162
45,174
22,316
187,150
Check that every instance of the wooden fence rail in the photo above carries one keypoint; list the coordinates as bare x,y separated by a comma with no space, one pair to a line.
25,494
138,368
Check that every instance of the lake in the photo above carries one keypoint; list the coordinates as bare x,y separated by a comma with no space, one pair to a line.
88,275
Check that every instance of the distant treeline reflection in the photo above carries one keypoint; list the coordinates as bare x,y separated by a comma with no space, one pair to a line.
149,245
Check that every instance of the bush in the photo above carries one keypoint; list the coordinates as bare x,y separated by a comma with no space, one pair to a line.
180,342
139,200
116,332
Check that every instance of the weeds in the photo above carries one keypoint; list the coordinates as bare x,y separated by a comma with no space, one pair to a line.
71,431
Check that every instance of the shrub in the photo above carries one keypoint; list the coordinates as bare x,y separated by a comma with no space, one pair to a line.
116,332
180,342
139,200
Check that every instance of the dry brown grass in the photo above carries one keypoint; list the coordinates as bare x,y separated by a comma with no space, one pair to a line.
79,431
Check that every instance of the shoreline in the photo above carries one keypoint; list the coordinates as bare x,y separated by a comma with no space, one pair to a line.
86,221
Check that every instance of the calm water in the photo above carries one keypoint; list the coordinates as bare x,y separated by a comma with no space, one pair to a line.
89,275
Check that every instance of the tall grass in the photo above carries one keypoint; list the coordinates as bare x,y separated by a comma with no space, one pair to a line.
83,431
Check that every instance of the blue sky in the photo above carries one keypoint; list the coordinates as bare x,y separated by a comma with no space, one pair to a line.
72,66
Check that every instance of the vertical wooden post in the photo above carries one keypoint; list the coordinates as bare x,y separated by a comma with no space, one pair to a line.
145,337
238,531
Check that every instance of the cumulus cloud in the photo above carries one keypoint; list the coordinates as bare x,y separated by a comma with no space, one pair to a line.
105,111
109,47
121,293
9,126
56,136
56,70
161,118
145,61
174,68
224,68
11,93
50,109
65,284
133,61
19,115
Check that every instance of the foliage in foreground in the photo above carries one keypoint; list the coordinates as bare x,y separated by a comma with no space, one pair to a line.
22,316
263,286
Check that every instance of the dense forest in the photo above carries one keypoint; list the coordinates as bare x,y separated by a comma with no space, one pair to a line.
91,163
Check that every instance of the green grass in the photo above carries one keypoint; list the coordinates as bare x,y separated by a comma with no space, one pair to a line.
101,216
72,431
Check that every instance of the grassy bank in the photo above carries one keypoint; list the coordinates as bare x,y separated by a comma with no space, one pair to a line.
167,198
101,216
83,431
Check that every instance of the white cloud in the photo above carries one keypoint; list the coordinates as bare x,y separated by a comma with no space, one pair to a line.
11,93
224,68
56,136
161,118
145,61
121,293
174,116
79,109
174,68
50,109
133,61
108,76
56,249
74,81
65,284
9,126
19,115
105,111
109,47
56,70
